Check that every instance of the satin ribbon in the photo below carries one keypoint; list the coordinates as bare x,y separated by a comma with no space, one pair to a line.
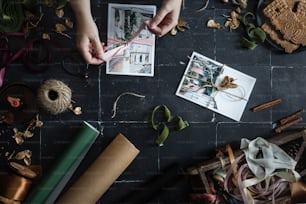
107,56
16,188
298,192
265,175
16,184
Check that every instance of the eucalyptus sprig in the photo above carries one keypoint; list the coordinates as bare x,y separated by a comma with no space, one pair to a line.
162,127
254,33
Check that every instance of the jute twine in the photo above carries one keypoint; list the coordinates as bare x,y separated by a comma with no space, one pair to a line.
54,96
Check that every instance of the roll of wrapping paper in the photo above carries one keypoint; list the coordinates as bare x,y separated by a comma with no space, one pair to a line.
101,173
51,185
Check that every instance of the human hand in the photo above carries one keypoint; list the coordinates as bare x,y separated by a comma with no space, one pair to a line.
166,17
88,42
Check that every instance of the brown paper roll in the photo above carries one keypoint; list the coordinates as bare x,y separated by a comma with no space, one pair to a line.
102,173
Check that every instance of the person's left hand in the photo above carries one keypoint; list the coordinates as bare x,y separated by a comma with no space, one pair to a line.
166,17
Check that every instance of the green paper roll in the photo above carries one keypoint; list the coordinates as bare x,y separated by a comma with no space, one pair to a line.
51,185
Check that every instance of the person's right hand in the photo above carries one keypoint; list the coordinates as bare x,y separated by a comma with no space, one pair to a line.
88,41
166,17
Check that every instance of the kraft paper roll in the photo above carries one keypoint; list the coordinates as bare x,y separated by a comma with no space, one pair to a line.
51,185
102,173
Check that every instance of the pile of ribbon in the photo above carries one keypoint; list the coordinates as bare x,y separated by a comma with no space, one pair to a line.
264,173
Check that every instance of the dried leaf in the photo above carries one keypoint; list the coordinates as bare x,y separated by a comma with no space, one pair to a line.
28,153
213,24
39,123
19,140
69,23
173,31
27,161
45,36
49,3
20,155
182,25
59,13
60,28
77,110
28,134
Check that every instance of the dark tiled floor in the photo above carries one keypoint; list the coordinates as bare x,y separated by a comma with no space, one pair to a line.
278,76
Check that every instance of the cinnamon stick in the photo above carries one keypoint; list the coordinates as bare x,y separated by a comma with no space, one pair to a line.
266,105
291,116
288,124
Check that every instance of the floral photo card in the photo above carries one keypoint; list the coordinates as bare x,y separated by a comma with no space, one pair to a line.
216,86
126,29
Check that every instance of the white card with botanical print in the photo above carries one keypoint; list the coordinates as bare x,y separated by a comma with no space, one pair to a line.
133,42
216,86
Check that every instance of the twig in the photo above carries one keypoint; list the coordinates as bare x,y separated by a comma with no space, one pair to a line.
291,116
204,7
266,105
117,99
287,125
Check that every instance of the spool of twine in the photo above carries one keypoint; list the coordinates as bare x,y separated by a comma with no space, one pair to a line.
54,96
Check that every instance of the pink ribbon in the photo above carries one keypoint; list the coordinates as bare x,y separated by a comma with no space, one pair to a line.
107,56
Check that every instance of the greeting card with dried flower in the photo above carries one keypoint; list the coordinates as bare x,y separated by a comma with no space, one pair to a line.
216,86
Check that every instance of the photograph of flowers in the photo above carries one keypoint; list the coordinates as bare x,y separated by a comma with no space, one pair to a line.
126,28
216,86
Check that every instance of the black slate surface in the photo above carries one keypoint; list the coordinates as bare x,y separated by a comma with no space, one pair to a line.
278,75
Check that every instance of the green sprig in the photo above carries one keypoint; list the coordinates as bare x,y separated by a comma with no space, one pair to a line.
162,127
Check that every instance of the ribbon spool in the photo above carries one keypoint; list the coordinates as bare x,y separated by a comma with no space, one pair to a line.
54,96
16,184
